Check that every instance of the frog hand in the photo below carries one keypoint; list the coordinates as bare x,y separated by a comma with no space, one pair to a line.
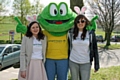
93,25
20,28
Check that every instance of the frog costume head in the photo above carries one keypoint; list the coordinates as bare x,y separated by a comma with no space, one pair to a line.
57,19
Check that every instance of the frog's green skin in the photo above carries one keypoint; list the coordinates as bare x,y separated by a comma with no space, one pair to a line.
57,19
93,25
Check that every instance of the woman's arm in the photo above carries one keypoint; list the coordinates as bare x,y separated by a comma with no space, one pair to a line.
22,55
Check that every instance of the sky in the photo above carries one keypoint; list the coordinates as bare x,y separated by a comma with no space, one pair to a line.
44,2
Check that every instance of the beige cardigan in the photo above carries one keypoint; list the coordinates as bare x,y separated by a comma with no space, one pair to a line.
27,50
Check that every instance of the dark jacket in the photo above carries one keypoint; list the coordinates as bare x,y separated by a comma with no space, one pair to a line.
93,47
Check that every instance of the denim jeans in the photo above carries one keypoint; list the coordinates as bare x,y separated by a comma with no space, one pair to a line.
56,68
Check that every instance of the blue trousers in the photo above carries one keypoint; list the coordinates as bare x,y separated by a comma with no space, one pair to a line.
56,68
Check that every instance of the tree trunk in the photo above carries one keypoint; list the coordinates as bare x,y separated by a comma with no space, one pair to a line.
108,39
105,36
78,3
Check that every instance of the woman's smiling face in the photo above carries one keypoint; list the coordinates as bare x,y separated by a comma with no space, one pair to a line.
34,29
81,24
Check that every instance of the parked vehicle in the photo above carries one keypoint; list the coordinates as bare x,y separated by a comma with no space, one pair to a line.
9,54
115,38
99,38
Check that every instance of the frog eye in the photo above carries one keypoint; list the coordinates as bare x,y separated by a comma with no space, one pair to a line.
63,10
53,10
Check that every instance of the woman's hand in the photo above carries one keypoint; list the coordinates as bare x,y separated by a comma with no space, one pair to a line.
23,74
95,71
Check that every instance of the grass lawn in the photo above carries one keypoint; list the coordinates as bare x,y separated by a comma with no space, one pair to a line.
111,73
4,31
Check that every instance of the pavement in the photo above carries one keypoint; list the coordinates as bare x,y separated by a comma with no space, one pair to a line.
9,74
107,58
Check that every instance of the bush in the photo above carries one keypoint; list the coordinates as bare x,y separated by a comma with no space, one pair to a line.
2,42
17,41
9,42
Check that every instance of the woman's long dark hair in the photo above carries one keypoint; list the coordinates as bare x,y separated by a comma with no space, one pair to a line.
29,33
76,29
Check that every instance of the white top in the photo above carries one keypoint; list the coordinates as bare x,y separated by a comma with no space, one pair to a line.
37,49
80,50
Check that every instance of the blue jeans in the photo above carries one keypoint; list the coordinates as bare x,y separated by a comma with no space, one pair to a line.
56,68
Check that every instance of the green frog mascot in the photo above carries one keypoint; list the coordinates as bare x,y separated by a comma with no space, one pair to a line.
56,20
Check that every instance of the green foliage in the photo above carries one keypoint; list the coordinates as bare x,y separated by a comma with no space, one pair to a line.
22,8
2,41
9,42
17,41
37,7
3,4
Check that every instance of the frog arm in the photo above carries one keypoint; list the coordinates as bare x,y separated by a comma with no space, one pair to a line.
20,28
93,25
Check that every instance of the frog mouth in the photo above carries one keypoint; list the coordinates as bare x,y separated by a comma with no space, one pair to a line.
57,21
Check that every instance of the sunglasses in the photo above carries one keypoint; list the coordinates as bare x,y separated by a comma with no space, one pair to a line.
82,21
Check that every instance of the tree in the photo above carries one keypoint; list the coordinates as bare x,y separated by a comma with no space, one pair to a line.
22,8
36,7
3,11
108,12
78,3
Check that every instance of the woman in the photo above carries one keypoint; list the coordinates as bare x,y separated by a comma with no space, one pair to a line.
33,54
84,49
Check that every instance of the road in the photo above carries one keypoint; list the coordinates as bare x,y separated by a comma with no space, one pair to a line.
109,58
110,42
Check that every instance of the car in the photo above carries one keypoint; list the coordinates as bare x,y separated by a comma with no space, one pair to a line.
9,55
99,38
115,38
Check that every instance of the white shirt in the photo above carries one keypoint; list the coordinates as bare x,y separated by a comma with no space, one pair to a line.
37,49
80,49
